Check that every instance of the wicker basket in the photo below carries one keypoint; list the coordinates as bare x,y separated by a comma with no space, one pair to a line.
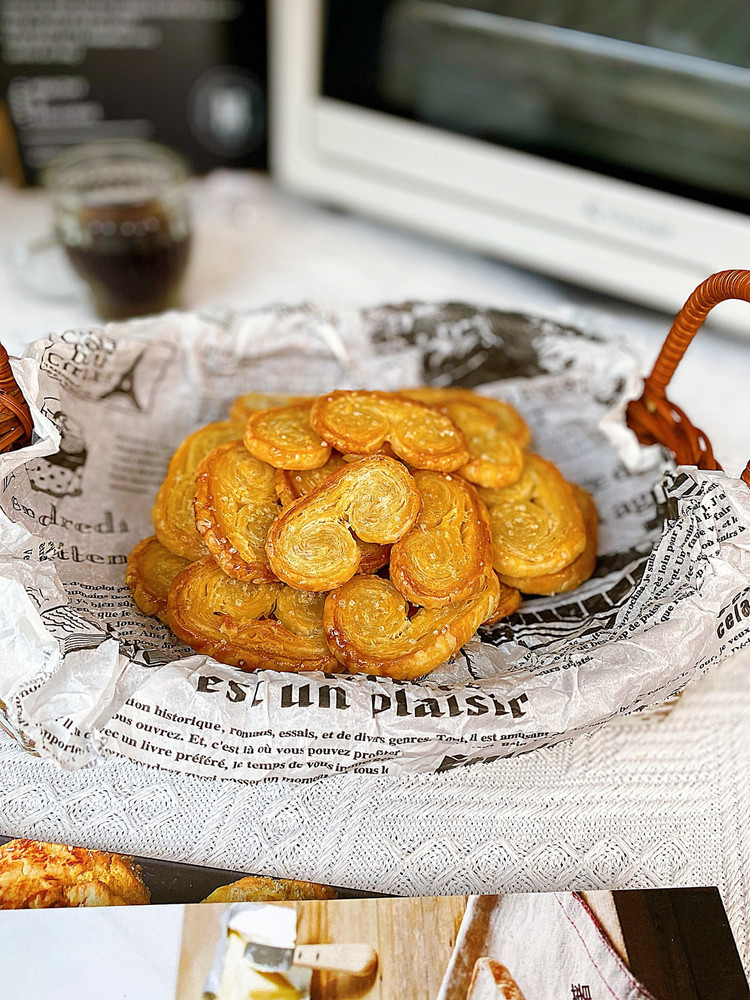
653,418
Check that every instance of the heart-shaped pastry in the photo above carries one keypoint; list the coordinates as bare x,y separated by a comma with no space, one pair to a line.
235,505
285,439
172,513
537,525
510,421
445,556
359,422
496,459
244,406
150,571
579,570
312,545
368,627
233,621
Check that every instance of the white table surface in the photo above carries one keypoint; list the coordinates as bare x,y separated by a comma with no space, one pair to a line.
637,804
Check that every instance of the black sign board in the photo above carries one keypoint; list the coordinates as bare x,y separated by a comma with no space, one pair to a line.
190,74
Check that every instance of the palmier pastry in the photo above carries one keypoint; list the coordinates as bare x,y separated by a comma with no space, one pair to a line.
510,420
149,575
496,460
579,570
311,546
35,875
230,620
285,439
235,505
244,406
264,889
368,627
537,525
445,556
292,484
359,422
172,513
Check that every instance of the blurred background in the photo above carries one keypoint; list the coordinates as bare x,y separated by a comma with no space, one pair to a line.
601,144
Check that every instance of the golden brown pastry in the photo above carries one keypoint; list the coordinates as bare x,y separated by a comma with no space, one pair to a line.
491,981
231,621
172,513
368,627
149,575
445,556
311,546
244,406
537,525
496,460
35,875
510,420
262,889
508,601
359,422
235,505
579,570
285,439
292,484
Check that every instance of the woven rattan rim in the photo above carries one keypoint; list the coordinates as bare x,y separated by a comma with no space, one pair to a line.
15,417
653,418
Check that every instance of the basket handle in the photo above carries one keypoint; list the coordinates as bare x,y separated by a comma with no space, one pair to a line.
653,418
15,416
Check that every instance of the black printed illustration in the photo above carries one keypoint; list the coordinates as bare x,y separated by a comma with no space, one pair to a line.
73,630
125,385
61,474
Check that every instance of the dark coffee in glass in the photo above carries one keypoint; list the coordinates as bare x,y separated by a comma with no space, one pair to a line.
121,215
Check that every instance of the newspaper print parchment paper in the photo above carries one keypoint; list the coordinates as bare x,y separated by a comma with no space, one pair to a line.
84,674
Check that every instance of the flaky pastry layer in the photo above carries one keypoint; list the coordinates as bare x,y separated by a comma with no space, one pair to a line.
579,570
232,620
312,544
496,459
509,419
235,505
367,625
285,439
150,571
444,557
359,422
35,875
537,525
172,512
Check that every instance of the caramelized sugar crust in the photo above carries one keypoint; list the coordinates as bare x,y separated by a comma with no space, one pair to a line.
235,505
368,626
172,513
311,545
579,570
150,571
445,555
537,525
35,875
359,422
249,625
285,439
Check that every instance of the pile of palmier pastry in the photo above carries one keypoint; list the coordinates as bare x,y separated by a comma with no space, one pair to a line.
364,531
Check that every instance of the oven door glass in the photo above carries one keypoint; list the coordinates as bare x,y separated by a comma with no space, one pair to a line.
657,93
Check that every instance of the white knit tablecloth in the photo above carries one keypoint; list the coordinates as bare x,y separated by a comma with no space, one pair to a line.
640,803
